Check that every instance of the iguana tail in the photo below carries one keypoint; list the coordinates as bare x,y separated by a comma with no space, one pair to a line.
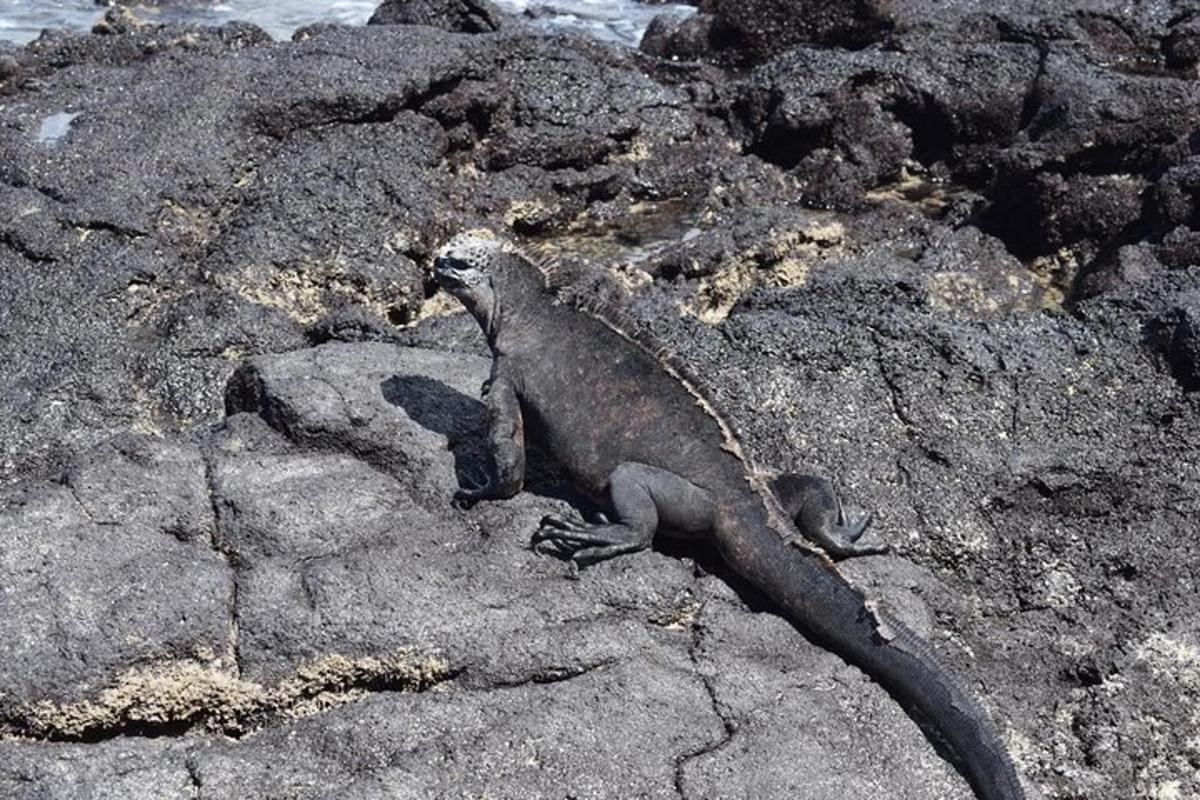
825,605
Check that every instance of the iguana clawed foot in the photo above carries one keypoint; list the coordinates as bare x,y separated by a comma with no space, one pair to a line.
585,543
815,507
839,538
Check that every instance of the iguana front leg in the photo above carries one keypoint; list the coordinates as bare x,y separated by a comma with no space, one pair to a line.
640,497
817,510
506,441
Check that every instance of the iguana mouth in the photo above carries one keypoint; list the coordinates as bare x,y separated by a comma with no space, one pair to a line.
449,272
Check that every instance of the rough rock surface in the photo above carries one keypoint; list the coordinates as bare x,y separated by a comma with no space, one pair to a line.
463,16
760,29
946,254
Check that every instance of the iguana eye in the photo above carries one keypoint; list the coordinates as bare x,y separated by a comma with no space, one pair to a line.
454,272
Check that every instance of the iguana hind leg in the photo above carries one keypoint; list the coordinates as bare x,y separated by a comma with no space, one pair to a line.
640,497
818,513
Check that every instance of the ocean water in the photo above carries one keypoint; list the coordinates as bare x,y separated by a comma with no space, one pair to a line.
612,20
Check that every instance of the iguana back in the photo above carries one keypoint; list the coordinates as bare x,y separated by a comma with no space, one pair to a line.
628,423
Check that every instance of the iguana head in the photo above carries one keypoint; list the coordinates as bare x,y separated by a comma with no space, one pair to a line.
482,272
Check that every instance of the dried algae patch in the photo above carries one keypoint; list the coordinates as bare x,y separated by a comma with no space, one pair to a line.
1171,660
1053,273
531,215
190,228
1173,666
179,694
307,292
950,290
930,197
441,304
335,680
638,150
171,693
682,616
990,292
299,293
785,259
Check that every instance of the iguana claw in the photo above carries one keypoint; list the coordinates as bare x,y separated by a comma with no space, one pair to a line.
584,543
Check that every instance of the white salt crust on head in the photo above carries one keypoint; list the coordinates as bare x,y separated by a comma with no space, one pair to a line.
473,247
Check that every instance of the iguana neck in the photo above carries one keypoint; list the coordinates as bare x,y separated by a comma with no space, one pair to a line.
520,309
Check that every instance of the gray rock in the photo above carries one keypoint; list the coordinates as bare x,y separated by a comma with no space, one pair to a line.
1019,453
995,352
111,570
147,482
568,736
805,689
335,556
633,662
122,768
412,413
278,184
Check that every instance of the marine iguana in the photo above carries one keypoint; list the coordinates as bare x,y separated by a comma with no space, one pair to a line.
628,424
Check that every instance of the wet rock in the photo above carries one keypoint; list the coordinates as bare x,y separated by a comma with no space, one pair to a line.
689,38
118,20
462,16
152,3
764,28
10,67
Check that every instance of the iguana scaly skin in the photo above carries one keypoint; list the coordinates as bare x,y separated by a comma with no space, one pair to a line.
629,426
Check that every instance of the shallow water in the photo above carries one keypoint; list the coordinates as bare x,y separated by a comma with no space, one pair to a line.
55,127
612,20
